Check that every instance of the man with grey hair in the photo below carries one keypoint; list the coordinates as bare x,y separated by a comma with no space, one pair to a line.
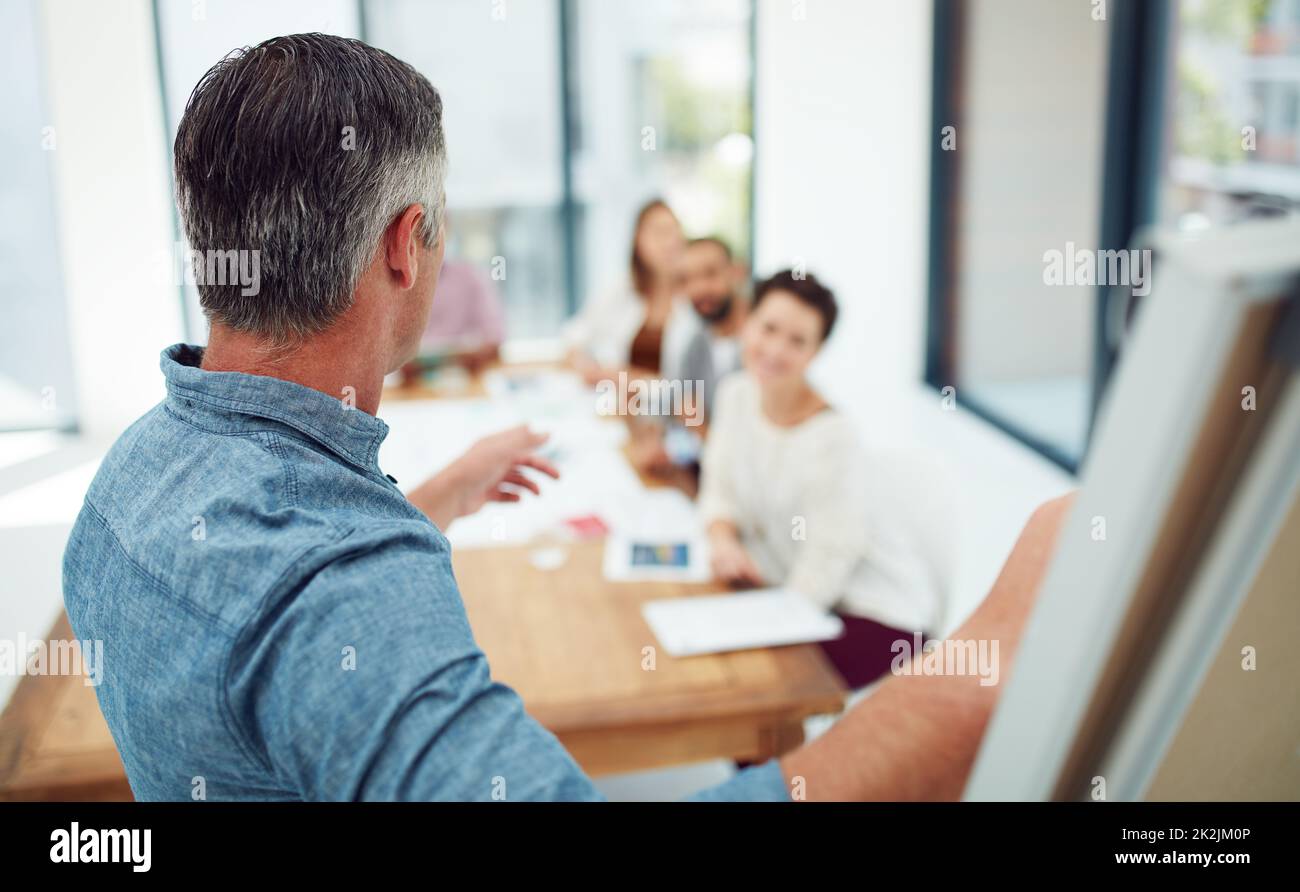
279,621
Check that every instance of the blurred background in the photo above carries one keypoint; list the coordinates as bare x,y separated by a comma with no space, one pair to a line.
806,140
803,131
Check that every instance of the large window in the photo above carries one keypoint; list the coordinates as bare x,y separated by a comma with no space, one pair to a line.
662,95
498,69
562,117
1019,127
1074,129
1233,149
36,387
192,37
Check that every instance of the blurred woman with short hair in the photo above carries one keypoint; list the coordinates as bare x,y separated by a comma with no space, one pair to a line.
783,494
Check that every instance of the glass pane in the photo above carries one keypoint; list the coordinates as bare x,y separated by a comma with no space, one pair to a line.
193,38
1234,146
497,67
1030,94
36,389
663,96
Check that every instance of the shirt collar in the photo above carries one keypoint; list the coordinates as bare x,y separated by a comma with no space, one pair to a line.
349,432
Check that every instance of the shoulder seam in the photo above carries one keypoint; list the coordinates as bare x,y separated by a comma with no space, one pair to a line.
157,583
229,632
275,445
237,730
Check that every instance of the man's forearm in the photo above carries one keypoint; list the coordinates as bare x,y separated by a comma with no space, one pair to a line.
723,529
916,736
438,499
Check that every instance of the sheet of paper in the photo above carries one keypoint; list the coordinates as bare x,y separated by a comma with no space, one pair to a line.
656,559
595,476
660,513
719,623
596,482
425,436
541,385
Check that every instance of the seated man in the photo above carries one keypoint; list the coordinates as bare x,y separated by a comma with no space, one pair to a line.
712,283
279,621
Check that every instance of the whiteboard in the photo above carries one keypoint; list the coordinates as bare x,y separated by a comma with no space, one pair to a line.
1188,490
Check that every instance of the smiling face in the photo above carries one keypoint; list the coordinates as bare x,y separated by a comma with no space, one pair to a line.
659,241
782,335
710,279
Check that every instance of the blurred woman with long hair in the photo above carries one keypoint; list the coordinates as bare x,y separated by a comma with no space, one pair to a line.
642,325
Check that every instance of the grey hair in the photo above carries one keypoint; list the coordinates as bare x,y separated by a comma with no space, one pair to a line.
304,149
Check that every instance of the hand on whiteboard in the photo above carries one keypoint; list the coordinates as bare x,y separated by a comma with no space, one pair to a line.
492,470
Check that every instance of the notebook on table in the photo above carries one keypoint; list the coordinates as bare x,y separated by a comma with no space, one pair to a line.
718,623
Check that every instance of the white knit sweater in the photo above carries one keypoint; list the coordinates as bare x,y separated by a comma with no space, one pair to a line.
800,498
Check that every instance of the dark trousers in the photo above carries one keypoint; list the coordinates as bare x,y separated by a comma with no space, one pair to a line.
865,651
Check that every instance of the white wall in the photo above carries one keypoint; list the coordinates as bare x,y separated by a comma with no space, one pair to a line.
1031,147
843,106
499,79
113,204
34,353
842,182
114,219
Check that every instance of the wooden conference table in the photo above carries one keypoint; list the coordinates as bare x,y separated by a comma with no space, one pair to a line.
573,645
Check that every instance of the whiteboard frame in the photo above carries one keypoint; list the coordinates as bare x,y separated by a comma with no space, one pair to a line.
1155,407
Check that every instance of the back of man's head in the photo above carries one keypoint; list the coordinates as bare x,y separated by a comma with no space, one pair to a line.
304,149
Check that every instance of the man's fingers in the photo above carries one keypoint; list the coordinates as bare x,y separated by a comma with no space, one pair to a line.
736,573
540,464
520,438
519,479
526,438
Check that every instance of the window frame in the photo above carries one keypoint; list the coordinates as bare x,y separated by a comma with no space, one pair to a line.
569,207
1135,98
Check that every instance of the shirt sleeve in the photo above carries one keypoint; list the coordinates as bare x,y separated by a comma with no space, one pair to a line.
717,498
680,329
693,372
365,683
758,783
834,538
695,359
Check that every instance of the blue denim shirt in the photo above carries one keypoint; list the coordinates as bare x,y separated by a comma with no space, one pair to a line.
279,622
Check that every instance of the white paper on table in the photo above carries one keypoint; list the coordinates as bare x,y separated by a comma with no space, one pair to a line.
661,518
595,477
661,513
593,481
625,555
540,385
720,623
425,436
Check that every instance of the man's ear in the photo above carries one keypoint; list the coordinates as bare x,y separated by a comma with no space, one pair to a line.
402,246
